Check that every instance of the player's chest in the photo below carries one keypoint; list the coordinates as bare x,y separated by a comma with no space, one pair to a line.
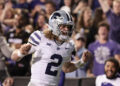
49,48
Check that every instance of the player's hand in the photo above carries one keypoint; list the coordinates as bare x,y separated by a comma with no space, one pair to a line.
68,67
25,49
86,56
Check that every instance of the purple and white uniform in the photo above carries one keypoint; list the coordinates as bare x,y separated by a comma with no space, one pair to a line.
48,59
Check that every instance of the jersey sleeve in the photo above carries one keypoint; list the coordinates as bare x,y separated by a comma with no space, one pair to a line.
35,38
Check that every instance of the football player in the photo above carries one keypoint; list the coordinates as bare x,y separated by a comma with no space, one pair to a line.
52,51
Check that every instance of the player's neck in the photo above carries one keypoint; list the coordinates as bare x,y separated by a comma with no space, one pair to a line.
58,42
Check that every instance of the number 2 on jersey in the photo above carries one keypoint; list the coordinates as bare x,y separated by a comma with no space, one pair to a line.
53,64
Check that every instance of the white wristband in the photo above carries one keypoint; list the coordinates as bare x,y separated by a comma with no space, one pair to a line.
79,63
20,54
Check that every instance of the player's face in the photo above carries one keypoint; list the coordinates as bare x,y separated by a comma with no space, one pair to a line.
65,29
110,69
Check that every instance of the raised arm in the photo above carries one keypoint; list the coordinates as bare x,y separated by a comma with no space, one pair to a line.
9,22
72,66
104,5
79,7
25,49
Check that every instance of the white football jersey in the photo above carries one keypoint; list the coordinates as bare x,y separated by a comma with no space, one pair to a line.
48,58
102,80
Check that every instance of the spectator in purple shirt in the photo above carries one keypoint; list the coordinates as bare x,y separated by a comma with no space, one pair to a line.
113,17
102,49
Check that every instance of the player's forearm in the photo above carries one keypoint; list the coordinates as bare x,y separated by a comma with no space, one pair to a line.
72,66
25,49
68,67
16,55
79,63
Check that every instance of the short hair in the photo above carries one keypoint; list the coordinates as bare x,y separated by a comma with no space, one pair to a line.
104,24
113,60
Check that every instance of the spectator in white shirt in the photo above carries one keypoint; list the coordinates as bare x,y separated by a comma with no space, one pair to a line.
110,78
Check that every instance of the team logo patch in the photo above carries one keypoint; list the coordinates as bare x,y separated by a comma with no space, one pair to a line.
49,44
58,48
66,48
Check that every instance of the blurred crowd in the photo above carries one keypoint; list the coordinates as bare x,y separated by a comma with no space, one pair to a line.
97,29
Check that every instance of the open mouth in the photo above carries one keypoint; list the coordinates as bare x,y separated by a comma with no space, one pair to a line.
64,32
109,73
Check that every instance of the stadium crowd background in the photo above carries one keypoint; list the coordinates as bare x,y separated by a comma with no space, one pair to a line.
19,18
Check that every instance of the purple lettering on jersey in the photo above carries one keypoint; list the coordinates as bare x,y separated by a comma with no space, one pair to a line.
49,44
58,48
66,48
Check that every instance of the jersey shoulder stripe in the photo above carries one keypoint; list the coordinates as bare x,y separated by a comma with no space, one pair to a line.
37,35
35,38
